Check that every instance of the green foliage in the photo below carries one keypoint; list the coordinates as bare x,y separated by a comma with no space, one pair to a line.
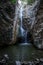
13,1
30,1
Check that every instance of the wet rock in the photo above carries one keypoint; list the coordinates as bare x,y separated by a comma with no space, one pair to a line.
21,39
41,59
37,59
4,60
28,63
25,64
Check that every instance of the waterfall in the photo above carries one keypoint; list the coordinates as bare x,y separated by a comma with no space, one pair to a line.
31,11
20,15
23,32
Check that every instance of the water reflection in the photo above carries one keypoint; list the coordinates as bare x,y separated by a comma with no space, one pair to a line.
21,53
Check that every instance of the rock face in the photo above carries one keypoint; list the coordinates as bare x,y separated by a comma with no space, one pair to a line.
7,11
38,28
29,16
33,22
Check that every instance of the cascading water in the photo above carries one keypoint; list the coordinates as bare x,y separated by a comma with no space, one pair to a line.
23,32
20,16
31,12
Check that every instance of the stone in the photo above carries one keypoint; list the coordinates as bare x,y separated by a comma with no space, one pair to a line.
41,59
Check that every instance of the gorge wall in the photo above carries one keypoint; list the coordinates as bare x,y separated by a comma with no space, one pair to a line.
38,28
7,14
7,29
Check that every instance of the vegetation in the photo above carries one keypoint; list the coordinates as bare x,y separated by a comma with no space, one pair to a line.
13,1
29,1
